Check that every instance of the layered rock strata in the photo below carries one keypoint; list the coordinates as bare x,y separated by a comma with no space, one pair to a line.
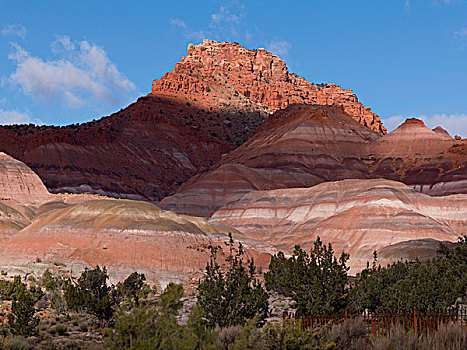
305,145
19,183
211,102
356,216
143,152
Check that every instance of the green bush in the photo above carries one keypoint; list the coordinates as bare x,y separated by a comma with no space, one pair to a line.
21,320
60,329
317,282
234,296
92,293
143,327
83,326
49,281
133,288
429,286
349,335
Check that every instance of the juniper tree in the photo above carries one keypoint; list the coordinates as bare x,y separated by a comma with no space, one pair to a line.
21,320
317,282
233,295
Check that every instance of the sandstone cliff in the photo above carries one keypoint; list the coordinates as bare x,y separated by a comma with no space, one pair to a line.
228,76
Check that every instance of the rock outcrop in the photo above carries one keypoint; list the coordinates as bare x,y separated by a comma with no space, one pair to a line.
356,216
304,145
228,76
430,161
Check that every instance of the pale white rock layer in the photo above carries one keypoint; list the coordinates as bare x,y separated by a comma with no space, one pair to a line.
356,216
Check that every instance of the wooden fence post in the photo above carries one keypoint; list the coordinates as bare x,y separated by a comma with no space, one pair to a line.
415,320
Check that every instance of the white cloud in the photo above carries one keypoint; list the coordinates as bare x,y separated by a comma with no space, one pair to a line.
178,22
79,72
16,117
228,14
226,23
391,123
14,30
197,35
454,124
461,33
433,3
279,47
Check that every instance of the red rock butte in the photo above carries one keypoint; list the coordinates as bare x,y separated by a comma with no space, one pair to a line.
227,75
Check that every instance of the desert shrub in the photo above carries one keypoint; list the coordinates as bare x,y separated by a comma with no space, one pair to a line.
155,327
250,337
142,328
399,339
233,296
349,335
226,335
83,326
452,337
317,282
287,335
92,293
61,329
58,303
133,288
21,320
429,286
49,281
290,335
16,343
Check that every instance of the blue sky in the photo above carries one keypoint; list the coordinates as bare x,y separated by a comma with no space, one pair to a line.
64,62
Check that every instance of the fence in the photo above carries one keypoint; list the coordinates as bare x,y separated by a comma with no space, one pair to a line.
382,323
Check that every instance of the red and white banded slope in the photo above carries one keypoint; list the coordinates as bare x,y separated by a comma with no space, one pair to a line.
305,145
356,216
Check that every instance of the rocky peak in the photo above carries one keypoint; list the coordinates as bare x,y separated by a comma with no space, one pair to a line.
225,75
415,129
441,131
